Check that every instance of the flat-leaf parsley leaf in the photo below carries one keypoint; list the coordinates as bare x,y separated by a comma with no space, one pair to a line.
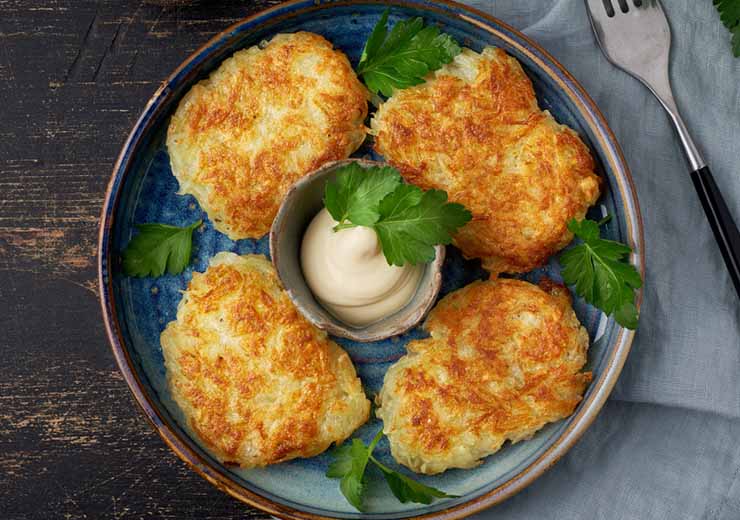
158,248
407,489
402,58
729,14
409,222
601,273
412,222
350,463
356,193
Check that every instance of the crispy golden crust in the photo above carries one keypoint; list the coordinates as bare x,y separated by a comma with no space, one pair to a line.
257,383
266,117
504,359
474,130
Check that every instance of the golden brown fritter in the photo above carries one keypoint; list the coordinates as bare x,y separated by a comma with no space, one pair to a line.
474,129
265,118
504,359
257,383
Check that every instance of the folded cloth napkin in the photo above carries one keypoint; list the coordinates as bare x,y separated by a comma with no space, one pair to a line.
667,444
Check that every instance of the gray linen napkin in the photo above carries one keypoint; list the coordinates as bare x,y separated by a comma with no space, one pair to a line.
667,445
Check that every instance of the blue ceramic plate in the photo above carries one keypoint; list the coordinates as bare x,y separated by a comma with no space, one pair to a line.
143,189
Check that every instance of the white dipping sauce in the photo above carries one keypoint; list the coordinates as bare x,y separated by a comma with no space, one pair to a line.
349,275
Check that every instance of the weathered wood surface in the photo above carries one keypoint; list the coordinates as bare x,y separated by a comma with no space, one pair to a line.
74,75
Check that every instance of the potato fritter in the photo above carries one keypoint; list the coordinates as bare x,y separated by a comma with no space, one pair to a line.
474,130
257,383
263,119
504,359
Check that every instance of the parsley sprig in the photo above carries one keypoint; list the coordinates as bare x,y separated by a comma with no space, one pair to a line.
158,248
729,14
356,194
401,58
601,273
409,222
349,465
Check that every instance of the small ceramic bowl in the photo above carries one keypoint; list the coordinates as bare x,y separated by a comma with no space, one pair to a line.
302,202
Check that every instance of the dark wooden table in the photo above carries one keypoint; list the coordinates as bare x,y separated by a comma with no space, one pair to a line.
74,76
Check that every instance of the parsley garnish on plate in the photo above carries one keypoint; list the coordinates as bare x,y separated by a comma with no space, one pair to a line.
729,14
401,58
409,222
407,489
357,192
350,463
601,273
412,222
158,248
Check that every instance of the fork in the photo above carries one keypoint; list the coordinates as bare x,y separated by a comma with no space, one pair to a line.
635,36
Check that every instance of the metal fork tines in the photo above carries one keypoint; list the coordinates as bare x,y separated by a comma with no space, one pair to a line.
635,36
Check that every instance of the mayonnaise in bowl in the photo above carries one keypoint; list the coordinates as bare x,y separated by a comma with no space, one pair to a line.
349,275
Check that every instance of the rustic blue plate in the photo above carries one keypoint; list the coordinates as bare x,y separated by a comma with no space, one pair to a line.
142,189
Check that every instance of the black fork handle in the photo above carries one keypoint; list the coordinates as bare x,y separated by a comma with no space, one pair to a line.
720,219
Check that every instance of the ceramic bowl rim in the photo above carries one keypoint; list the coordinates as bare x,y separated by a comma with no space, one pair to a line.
332,325
601,387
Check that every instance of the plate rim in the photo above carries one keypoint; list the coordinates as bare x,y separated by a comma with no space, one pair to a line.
603,386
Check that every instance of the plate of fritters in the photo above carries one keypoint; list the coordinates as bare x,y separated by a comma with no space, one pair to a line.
508,369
